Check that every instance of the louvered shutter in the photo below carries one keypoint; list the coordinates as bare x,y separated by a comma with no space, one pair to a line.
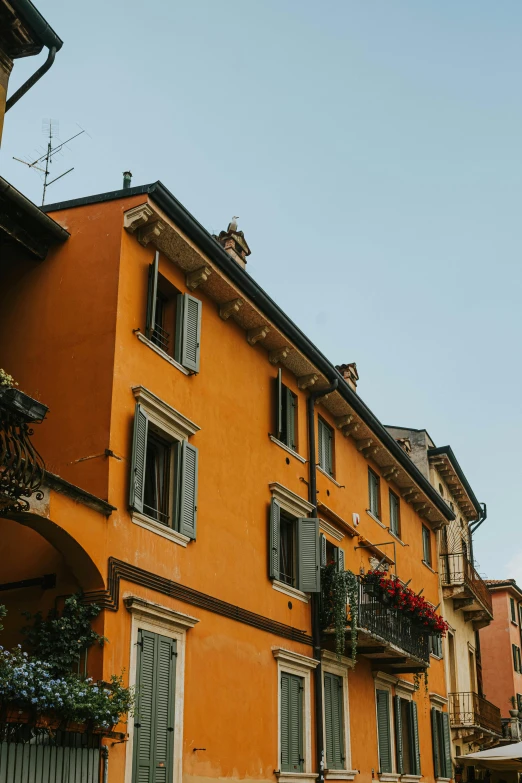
309,556
154,714
514,653
188,490
446,735
322,541
138,459
279,403
290,418
152,294
274,526
399,752
333,715
328,450
320,442
291,723
415,755
383,731
340,560
191,332
436,742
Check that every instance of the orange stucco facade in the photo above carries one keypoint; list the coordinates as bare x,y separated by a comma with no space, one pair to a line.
80,313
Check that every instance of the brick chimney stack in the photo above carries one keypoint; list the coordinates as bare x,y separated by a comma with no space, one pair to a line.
349,373
234,243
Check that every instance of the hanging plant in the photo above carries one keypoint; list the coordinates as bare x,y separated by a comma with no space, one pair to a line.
340,595
398,596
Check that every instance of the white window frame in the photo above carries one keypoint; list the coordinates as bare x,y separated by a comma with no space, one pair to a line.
159,619
385,682
301,666
296,506
177,428
332,665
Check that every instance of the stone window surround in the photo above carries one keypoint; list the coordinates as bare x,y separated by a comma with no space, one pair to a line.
331,664
149,616
298,507
385,682
301,666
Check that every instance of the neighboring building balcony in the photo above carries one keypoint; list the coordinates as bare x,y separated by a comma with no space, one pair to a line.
469,592
474,719
387,636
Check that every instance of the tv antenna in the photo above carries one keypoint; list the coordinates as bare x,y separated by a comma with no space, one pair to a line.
42,164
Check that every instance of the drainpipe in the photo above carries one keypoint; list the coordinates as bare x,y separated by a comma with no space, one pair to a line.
26,86
316,597
105,758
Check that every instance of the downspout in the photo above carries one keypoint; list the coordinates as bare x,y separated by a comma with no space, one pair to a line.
316,597
26,86
105,761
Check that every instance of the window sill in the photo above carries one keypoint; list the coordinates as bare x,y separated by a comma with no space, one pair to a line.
375,519
443,780
514,623
340,774
288,777
396,537
389,777
410,778
320,469
158,529
437,657
287,448
141,337
293,592
424,563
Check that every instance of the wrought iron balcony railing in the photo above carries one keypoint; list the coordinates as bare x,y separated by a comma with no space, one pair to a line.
21,466
469,710
391,624
456,569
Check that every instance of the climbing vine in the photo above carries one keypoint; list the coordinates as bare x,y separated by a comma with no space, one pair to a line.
340,604
417,680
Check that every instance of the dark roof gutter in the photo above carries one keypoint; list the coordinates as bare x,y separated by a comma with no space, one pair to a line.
43,221
195,231
41,28
448,452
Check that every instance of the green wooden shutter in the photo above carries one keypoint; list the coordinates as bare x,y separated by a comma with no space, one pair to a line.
290,418
279,403
333,718
191,333
328,448
138,458
152,294
383,731
320,442
291,723
514,652
322,538
340,560
446,735
436,742
309,556
399,752
188,490
274,527
414,742
154,714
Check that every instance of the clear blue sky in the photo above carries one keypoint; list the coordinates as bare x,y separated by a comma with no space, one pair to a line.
372,150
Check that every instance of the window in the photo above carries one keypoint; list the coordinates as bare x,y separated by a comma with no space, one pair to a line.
407,748
519,702
513,610
325,437
286,415
441,737
153,744
394,514
164,474
292,759
435,644
520,616
384,730
294,552
374,493
173,321
334,721
517,662
426,545
331,554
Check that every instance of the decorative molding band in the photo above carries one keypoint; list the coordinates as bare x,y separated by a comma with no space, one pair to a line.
165,415
150,232
332,531
404,688
331,658
60,485
152,611
305,381
351,430
159,529
117,570
364,444
341,774
291,592
343,421
279,354
137,217
438,700
229,308
141,337
324,509
295,659
198,276
291,502
254,335
382,678
287,448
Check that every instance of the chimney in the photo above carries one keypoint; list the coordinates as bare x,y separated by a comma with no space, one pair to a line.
127,177
234,243
349,373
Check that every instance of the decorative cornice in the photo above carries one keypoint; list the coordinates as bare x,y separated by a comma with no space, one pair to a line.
332,531
152,611
257,334
279,354
384,678
150,233
136,217
437,699
307,380
293,658
291,502
197,277
59,484
230,308
165,416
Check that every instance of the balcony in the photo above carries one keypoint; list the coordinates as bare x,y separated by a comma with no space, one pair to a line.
386,636
474,719
469,592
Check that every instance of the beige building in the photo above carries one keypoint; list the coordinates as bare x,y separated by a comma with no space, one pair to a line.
466,602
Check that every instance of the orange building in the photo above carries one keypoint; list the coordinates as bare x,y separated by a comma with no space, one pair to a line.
205,462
